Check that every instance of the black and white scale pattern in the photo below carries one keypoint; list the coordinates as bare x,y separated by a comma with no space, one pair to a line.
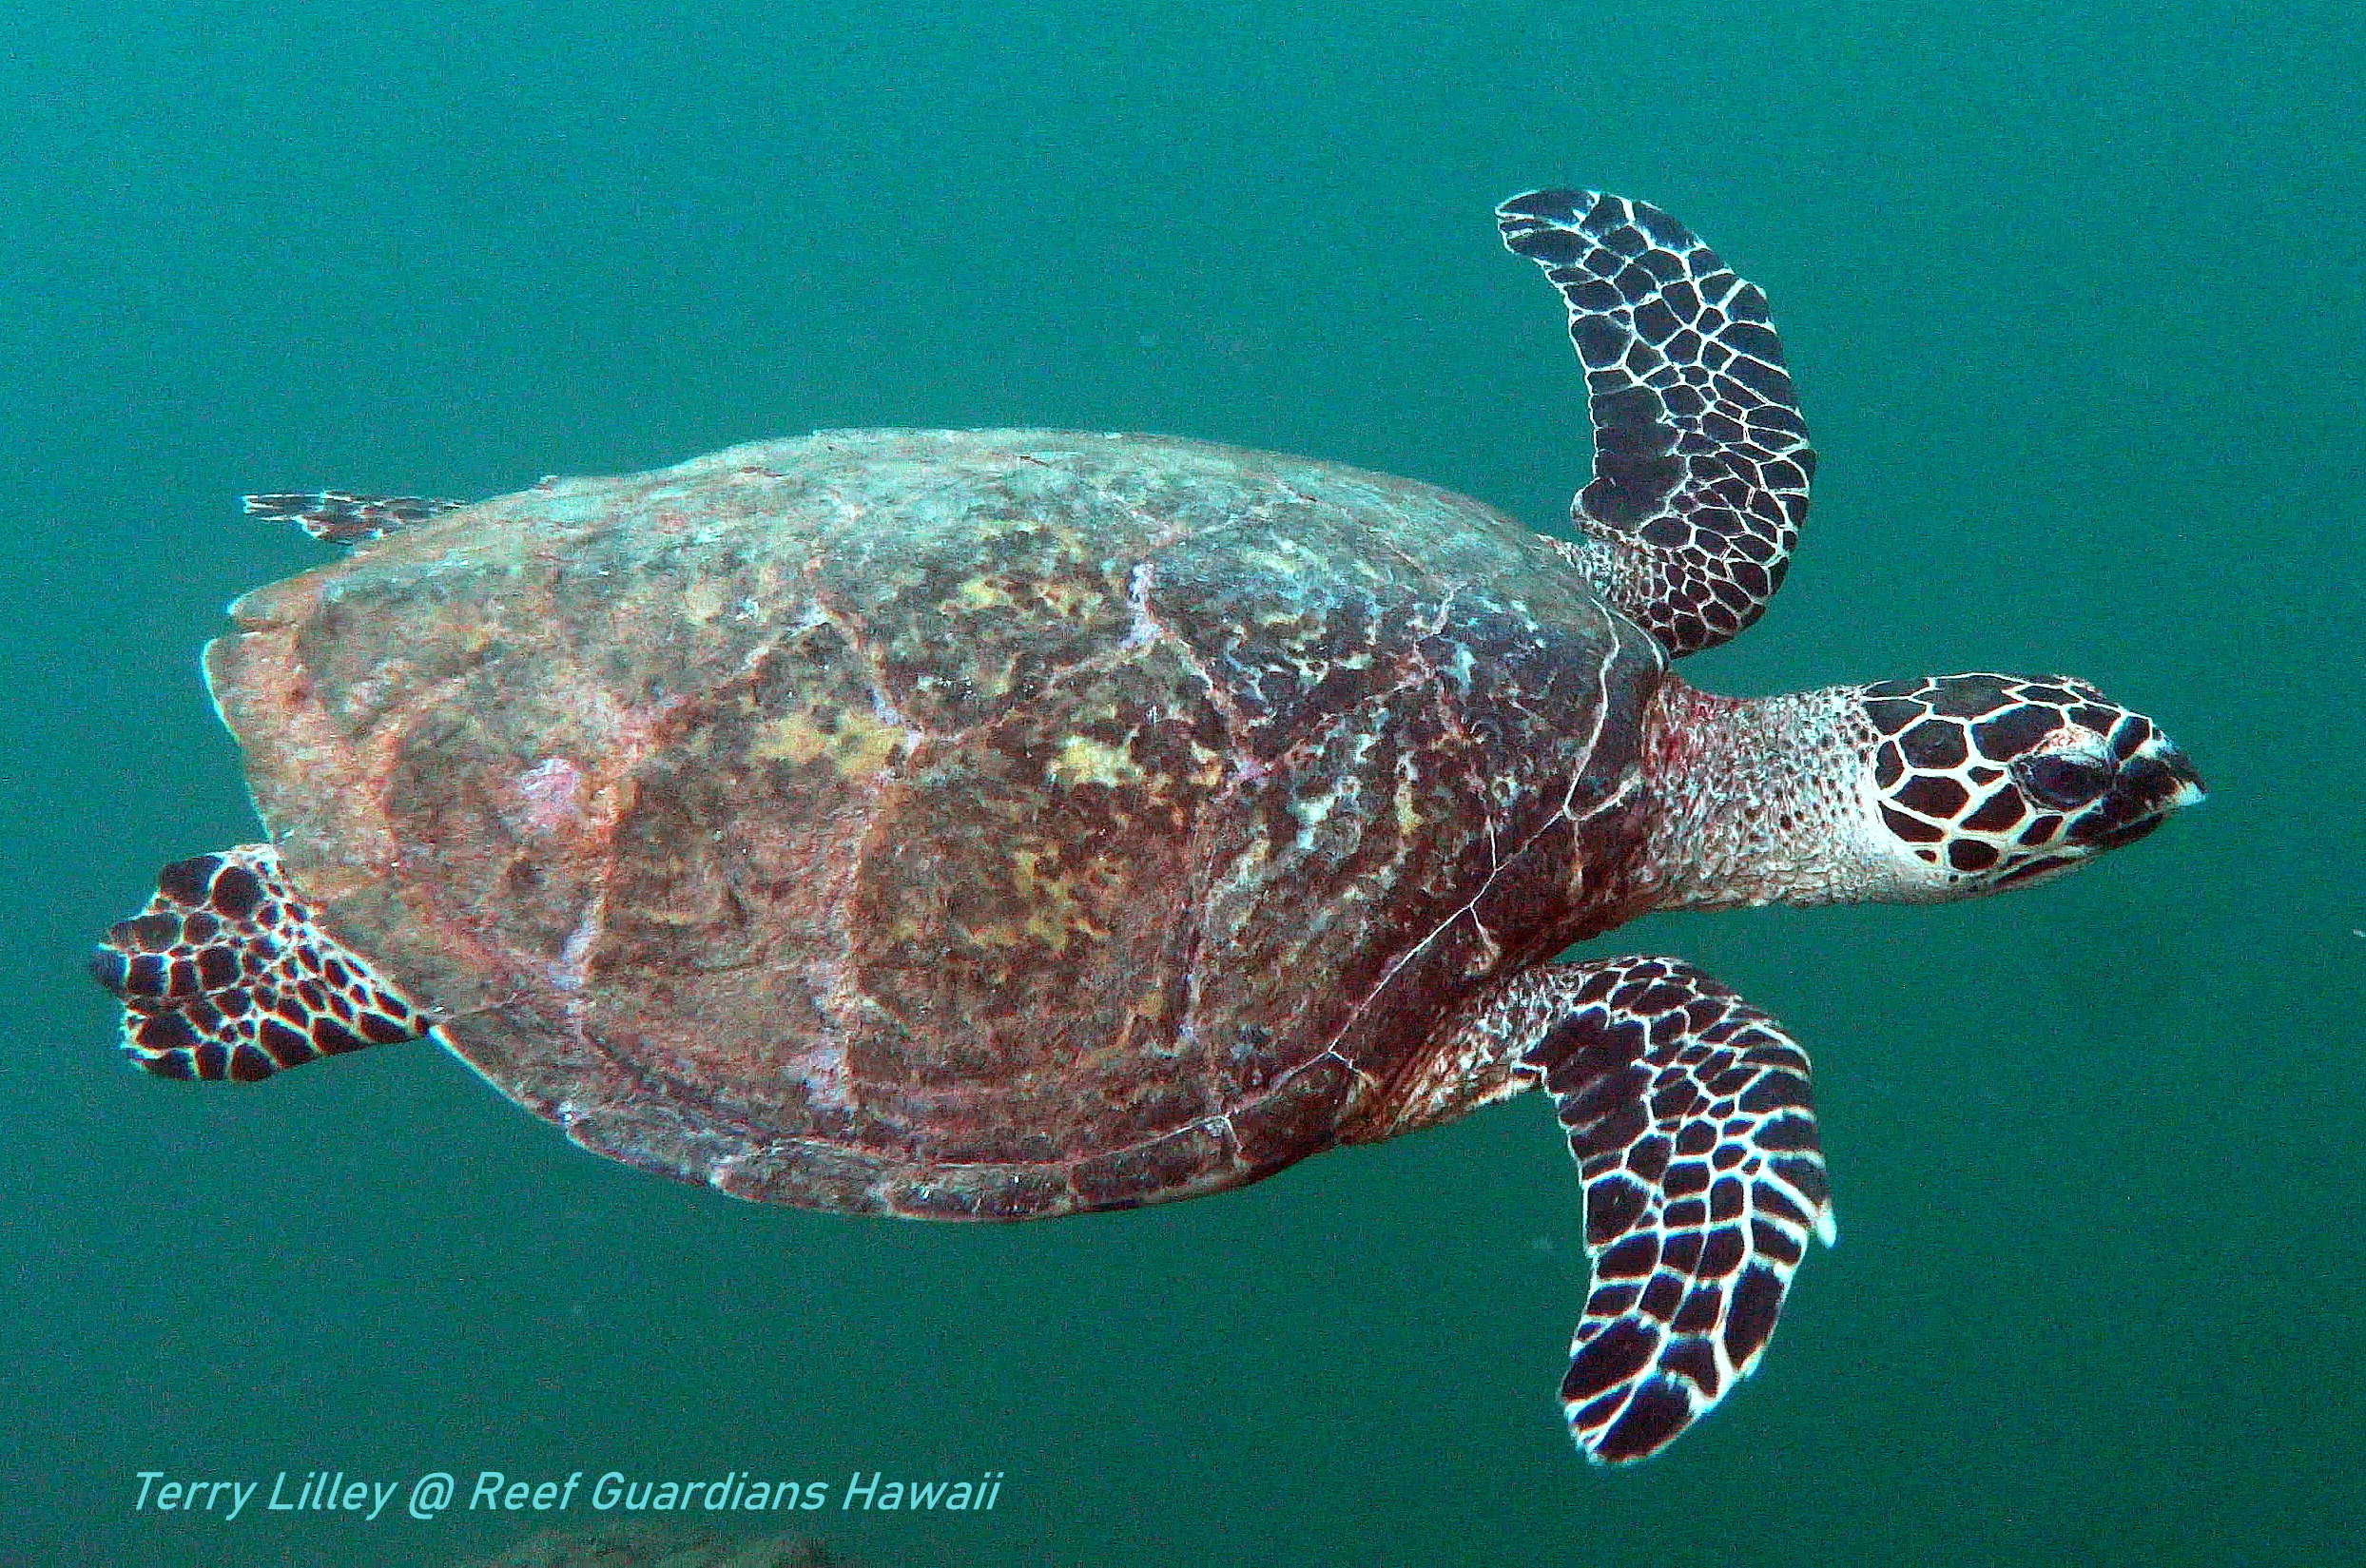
1688,1113
346,519
2009,778
224,976
1702,461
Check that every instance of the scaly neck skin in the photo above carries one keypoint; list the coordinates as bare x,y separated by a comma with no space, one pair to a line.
1754,800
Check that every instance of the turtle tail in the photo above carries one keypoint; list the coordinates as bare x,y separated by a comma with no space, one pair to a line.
225,974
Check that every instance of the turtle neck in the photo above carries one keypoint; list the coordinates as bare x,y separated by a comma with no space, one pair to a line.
1756,801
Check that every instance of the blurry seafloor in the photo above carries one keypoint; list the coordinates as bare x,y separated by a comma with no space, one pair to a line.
2076,308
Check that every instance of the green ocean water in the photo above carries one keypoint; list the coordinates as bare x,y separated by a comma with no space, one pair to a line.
2074,301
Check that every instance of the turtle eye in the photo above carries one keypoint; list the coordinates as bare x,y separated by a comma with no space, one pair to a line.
2064,781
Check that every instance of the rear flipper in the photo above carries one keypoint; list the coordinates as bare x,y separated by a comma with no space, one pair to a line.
1687,1111
225,975
348,519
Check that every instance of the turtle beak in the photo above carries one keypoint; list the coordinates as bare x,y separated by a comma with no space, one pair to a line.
2152,784
2188,780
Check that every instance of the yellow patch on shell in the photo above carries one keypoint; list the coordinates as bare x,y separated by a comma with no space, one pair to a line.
1064,600
855,744
980,593
702,600
1082,759
1068,601
1407,808
1290,560
1055,915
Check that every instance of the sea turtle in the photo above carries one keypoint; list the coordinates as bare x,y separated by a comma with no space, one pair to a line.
1000,823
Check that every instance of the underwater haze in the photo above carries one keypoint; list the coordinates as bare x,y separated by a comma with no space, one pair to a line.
2073,298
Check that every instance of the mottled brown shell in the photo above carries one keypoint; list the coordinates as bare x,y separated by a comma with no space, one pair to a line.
989,823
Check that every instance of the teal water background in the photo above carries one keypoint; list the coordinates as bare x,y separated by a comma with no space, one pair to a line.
2074,298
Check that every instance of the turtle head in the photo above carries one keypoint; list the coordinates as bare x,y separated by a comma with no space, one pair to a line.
1981,781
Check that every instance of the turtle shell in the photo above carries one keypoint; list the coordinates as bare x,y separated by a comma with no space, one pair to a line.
968,825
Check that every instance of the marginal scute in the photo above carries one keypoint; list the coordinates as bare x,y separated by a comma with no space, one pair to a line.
1123,1177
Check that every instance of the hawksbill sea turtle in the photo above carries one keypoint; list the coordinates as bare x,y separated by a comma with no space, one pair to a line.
1003,823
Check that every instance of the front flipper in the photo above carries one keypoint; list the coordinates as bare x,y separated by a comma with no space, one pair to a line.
1700,457
1687,1113
346,519
225,975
